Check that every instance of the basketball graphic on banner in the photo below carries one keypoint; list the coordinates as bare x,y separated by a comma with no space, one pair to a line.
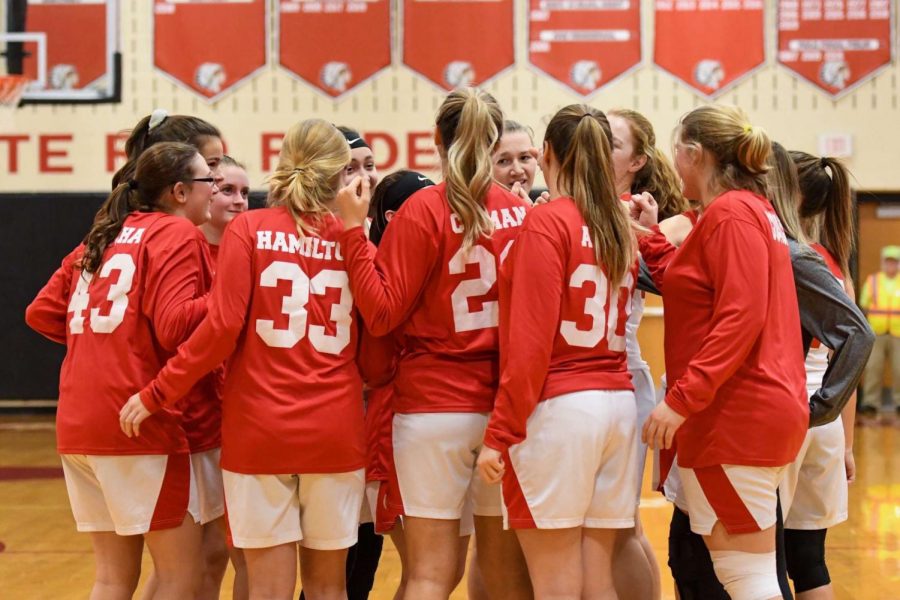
334,64
196,57
709,44
835,46
455,43
584,45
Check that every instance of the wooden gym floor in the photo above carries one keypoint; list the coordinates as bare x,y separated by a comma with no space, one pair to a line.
42,556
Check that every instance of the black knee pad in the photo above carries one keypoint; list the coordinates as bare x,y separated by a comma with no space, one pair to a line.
691,565
805,552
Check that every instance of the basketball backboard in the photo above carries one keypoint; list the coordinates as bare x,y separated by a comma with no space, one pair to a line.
69,49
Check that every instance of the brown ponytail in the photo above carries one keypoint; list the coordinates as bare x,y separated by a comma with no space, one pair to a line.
784,191
158,168
469,122
827,208
580,138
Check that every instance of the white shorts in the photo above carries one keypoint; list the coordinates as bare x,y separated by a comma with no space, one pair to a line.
130,495
434,457
743,498
207,490
814,490
321,511
370,503
576,467
645,401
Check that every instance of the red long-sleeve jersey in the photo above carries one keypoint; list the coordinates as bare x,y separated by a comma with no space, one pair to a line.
282,310
734,355
562,322
440,297
120,325
202,405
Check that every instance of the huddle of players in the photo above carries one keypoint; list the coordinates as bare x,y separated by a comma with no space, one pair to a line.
497,342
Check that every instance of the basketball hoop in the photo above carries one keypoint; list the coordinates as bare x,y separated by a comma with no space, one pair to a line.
11,89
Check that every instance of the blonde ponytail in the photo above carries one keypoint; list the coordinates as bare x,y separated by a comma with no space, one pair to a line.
469,122
580,138
740,149
307,176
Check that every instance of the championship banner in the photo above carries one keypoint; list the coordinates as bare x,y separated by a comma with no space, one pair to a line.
834,44
456,43
209,46
709,44
584,44
336,45
76,39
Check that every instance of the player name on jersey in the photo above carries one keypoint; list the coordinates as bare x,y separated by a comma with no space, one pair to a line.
502,219
309,246
130,235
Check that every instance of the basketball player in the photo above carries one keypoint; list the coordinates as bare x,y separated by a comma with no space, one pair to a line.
434,279
825,313
562,433
640,168
230,200
292,431
122,302
814,493
733,359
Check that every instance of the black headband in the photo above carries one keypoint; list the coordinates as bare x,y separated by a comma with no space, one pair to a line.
394,196
354,139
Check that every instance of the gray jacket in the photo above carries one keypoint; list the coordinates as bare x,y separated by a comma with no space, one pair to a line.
828,314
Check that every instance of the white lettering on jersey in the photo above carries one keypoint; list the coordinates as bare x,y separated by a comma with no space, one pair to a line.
456,224
503,218
586,241
777,230
310,247
130,235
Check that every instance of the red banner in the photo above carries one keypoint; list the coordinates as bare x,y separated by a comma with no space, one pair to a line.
334,45
709,44
455,43
834,44
77,52
584,44
209,46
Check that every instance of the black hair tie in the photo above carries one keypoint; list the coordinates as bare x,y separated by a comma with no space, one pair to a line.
823,162
132,184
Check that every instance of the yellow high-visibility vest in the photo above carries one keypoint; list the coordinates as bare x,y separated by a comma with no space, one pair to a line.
881,300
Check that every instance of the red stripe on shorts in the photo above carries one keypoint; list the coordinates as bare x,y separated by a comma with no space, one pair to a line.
174,495
518,512
385,514
725,500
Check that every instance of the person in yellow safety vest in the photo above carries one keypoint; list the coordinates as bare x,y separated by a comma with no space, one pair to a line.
880,300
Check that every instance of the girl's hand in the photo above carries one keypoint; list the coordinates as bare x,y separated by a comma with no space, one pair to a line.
660,427
850,465
490,465
132,415
352,202
644,209
518,190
